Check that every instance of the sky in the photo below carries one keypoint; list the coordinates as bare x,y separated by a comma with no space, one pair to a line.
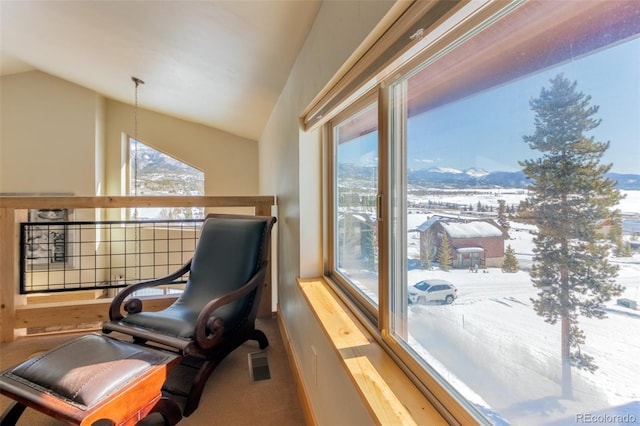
502,116
485,130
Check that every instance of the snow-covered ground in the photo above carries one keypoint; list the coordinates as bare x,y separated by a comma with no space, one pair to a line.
505,359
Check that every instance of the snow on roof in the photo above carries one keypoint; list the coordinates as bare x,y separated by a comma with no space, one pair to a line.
427,224
440,217
456,228
470,250
474,229
362,217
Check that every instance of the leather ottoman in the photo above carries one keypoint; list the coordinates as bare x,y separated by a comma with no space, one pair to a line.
93,379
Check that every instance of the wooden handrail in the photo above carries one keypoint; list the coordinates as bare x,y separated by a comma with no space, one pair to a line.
124,202
10,299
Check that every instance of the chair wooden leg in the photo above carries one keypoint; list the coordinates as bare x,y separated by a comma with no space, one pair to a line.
210,365
12,414
169,410
198,385
260,337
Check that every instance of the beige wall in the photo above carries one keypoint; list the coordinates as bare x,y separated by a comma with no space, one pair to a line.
290,167
229,162
45,125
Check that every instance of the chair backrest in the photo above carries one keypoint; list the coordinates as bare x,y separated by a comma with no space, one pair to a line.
230,251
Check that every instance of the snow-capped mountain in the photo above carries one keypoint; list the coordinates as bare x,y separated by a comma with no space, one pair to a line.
472,172
448,177
475,172
445,170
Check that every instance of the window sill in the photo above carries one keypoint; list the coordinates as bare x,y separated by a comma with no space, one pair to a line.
387,392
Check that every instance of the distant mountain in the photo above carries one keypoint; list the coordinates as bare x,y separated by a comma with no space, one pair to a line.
476,172
625,181
453,178
445,170
159,174
478,177
446,177
505,179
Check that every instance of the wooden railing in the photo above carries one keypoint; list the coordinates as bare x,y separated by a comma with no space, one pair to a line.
15,314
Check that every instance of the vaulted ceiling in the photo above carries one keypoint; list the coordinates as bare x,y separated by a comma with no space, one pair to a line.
219,63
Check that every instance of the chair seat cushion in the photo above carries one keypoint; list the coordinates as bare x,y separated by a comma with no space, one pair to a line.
86,370
170,321
176,320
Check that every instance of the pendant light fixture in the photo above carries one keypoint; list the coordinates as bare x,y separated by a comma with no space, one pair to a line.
134,154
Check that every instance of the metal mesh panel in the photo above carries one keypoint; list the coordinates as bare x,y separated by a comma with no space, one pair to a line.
68,256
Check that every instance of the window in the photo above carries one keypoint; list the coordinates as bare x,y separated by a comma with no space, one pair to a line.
490,242
355,191
155,173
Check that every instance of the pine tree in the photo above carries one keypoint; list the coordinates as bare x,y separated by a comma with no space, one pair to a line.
570,195
620,247
510,263
427,249
444,253
502,215
367,241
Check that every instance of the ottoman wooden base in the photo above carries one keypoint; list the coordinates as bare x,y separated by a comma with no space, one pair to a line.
93,379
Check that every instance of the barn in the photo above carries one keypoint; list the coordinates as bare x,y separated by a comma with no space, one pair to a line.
473,242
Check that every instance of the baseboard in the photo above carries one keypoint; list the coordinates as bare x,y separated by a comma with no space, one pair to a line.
303,395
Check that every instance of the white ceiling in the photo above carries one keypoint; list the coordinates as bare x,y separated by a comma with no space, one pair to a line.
218,63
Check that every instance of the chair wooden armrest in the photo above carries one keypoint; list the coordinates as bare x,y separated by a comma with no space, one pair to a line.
209,328
115,309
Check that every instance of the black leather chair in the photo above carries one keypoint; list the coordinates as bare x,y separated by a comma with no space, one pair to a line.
216,312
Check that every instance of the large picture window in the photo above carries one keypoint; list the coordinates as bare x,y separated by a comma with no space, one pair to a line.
509,176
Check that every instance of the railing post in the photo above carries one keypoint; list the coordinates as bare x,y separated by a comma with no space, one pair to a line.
8,273
265,310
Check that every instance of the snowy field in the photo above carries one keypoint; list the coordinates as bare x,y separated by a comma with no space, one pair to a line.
508,358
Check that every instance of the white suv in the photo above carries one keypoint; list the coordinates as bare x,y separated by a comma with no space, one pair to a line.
427,291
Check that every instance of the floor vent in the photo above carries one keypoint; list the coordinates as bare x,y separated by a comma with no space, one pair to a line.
259,366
